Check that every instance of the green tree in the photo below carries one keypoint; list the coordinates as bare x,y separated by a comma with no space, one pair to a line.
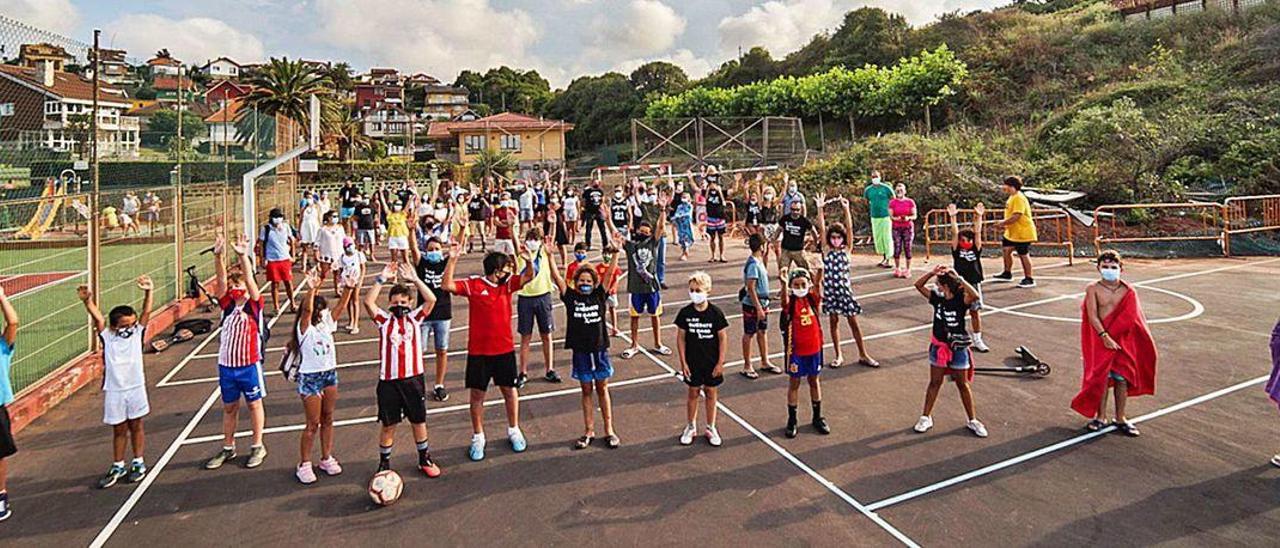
340,75
492,162
600,107
285,88
868,36
505,88
659,77
163,127
753,66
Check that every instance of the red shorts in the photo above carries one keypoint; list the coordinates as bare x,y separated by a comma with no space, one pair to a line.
280,271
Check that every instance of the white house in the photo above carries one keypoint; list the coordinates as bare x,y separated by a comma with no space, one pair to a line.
51,108
221,68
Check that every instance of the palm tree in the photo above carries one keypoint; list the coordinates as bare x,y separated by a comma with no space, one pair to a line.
348,129
285,88
490,162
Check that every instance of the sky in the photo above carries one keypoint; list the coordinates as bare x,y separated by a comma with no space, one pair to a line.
562,39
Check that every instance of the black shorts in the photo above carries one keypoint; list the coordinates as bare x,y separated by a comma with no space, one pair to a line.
701,376
7,446
500,369
1021,248
400,399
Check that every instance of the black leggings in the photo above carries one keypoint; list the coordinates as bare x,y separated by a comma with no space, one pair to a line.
597,219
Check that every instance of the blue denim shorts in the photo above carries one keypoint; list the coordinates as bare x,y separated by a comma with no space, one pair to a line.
960,359
312,384
438,331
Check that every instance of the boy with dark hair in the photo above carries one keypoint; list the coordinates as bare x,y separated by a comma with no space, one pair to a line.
579,259
802,337
7,446
966,260
491,356
277,254
609,278
1019,232
401,393
124,383
755,308
430,265
643,284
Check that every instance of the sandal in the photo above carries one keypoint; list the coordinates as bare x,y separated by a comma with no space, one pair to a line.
1095,425
750,374
868,362
630,353
583,442
1128,429
612,441
662,350
774,369
837,363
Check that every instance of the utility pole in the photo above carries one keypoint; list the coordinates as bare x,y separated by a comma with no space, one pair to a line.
226,171
95,229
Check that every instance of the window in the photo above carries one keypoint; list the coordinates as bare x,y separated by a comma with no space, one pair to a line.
474,143
510,143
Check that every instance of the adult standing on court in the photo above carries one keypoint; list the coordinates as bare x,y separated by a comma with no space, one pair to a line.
795,228
791,194
592,200
1019,232
878,194
903,213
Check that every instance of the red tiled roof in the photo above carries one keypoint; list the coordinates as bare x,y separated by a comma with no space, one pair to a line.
231,114
65,84
166,82
506,121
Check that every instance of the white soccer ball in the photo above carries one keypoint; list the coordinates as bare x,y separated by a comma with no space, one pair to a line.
385,487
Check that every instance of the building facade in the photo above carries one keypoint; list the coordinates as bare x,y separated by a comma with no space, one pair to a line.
53,109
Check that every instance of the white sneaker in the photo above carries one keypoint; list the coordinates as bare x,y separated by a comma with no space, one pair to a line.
977,427
686,437
1275,460
978,343
713,436
924,424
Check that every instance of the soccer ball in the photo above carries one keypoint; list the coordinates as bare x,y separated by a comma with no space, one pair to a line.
385,488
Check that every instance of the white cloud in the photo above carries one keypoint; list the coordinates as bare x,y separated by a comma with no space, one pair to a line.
642,27
194,40
440,37
783,26
693,65
51,15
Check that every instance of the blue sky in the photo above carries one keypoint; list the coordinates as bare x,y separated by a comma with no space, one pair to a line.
560,38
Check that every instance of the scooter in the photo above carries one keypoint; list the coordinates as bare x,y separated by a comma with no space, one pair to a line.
1032,365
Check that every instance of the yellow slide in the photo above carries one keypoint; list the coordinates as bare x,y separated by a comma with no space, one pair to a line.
46,212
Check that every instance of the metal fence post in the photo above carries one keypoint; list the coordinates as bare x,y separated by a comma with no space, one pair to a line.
178,231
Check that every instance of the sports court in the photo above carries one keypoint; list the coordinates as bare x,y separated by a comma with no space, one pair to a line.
1198,475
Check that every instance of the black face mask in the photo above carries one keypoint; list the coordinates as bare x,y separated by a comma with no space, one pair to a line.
642,237
125,332
399,311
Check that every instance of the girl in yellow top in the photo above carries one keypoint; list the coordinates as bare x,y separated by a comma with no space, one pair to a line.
398,233
1019,232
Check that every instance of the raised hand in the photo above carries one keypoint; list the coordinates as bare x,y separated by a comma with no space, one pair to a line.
980,209
940,270
455,249
406,271
821,197
388,272
241,246
311,279
219,243
144,283
951,210
84,293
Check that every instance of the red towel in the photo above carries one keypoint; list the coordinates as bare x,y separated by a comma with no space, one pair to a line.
1135,361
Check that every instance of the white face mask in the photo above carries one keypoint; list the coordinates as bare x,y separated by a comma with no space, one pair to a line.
875,180
532,245
1110,274
800,291
697,297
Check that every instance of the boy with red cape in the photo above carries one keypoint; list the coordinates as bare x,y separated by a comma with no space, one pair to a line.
1117,348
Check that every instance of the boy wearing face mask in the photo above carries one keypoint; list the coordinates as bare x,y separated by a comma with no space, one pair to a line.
124,385
239,353
350,274
430,267
701,344
366,227
966,260
620,212
400,391
277,253
579,259
504,220
534,305
877,194
491,353
802,344
609,278
1118,350
643,284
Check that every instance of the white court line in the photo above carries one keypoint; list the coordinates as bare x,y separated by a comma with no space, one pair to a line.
1057,446
822,480
435,411
116,519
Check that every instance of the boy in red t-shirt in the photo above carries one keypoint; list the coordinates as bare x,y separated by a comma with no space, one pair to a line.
491,353
610,285
802,339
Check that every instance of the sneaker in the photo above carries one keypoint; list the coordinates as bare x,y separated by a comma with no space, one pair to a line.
137,471
429,467
820,424
330,466
1275,461
924,424
552,376
1003,277
518,443
354,330
219,459
306,474
977,427
1027,282
384,464
686,437
980,345
713,436
521,379
5,511
439,393
257,454
476,451
113,475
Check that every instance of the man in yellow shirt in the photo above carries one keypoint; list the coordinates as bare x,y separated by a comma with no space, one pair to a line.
1019,232
534,302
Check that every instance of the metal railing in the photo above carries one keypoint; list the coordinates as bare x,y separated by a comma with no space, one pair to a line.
1053,228
1164,222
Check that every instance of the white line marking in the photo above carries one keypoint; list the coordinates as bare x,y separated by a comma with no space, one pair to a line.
1057,446
823,481
1197,308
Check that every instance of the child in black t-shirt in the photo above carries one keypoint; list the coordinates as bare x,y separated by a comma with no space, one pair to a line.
948,345
966,260
586,305
701,346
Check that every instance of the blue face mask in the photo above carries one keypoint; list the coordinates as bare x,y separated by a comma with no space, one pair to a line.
1110,274
580,255
586,288
435,256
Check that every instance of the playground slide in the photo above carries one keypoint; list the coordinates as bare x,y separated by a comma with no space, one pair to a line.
46,213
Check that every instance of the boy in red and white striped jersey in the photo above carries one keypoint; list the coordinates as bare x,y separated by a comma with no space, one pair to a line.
401,392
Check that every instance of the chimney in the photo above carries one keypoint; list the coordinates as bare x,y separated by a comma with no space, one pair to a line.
44,70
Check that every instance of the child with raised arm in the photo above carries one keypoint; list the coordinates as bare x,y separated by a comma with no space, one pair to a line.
401,393
701,345
837,282
949,344
430,265
350,270
802,345
586,302
491,355
7,446
124,385
966,260
312,339
643,283
239,353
